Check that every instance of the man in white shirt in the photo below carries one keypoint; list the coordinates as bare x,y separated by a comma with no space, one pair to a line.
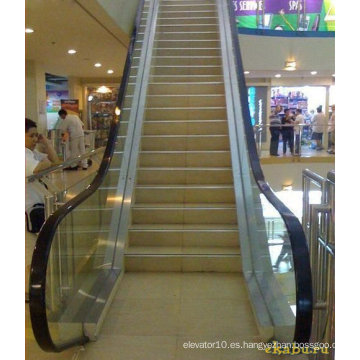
331,131
299,120
73,126
318,127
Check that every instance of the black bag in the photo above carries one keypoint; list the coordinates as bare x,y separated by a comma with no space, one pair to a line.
35,218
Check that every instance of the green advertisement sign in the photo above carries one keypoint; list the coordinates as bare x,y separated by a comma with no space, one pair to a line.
287,15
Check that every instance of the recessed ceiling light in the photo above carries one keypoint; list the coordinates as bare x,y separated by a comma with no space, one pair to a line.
97,65
290,65
246,72
110,71
278,75
29,31
71,51
313,73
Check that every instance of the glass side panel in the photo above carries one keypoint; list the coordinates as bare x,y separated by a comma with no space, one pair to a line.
83,247
270,257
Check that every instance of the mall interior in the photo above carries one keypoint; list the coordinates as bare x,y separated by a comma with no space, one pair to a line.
183,237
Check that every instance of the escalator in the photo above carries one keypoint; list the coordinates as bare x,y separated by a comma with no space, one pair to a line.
180,188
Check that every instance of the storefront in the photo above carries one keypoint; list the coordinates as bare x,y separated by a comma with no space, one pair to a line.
263,100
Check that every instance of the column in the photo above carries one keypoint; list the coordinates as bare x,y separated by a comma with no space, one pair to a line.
35,94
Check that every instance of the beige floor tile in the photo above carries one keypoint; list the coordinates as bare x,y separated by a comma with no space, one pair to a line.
217,317
131,348
150,286
213,286
143,317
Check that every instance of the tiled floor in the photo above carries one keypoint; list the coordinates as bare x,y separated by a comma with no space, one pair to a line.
154,316
306,152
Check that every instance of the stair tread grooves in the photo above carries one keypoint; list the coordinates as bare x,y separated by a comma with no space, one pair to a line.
175,186
180,250
180,206
151,168
184,151
186,136
183,227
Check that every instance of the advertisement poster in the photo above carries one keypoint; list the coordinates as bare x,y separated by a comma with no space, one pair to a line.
289,98
53,105
287,15
257,98
71,106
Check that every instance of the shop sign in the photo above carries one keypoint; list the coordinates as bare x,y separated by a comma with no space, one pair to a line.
290,15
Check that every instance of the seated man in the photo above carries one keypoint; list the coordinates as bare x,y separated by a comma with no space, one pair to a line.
35,162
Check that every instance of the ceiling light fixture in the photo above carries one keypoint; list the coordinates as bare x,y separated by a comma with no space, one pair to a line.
278,75
29,30
246,72
290,65
103,90
71,51
110,71
333,75
97,65
313,73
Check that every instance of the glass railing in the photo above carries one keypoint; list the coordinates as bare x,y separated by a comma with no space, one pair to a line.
73,276
283,15
275,255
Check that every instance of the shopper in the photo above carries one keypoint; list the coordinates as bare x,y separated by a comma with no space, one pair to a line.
287,131
299,120
331,131
72,131
275,129
318,126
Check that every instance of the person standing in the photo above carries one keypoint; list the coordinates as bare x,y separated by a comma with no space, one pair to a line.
287,131
275,129
318,126
331,131
299,120
72,127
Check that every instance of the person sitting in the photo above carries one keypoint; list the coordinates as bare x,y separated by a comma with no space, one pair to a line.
35,162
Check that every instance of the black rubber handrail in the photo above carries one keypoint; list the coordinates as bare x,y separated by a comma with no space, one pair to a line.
304,298
39,263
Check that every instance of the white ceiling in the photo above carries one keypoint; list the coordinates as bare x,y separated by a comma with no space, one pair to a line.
60,25
265,56
85,26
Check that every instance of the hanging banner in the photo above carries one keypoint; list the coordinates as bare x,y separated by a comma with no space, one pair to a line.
288,15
